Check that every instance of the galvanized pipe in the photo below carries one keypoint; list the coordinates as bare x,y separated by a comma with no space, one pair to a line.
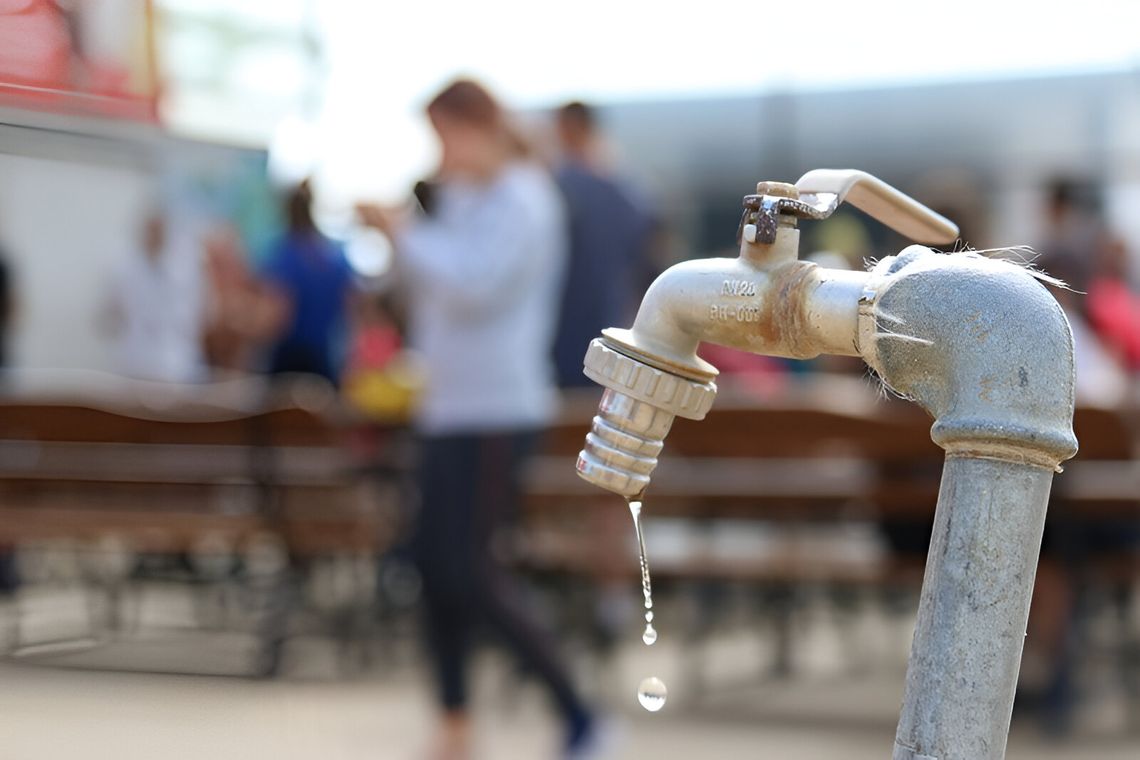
987,351
975,601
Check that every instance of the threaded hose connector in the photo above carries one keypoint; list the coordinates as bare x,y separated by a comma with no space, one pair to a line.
623,443
634,416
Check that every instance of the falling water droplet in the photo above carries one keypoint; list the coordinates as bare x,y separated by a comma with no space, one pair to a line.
646,585
650,634
651,693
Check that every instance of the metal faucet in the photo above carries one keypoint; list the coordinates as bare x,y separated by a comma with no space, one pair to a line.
977,342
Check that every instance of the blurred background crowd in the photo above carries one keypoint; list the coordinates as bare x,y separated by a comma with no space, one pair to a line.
294,297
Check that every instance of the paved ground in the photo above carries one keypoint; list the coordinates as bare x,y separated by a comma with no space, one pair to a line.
61,705
66,713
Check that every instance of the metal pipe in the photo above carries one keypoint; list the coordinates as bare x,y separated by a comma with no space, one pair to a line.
966,653
987,351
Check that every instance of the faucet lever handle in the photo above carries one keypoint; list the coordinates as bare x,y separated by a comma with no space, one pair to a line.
825,189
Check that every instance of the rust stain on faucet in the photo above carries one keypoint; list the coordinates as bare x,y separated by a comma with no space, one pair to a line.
781,312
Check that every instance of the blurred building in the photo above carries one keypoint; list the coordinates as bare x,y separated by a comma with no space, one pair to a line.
235,71
980,150
83,159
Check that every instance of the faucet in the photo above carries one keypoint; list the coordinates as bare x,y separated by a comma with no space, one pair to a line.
976,341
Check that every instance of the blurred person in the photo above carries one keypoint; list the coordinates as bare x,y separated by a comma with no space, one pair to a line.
1114,307
483,275
1101,376
1079,249
381,379
312,275
1074,235
610,236
156,311
243,312
1071,540
378,341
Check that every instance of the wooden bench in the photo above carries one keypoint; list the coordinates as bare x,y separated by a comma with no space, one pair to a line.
272,480
1100,487
803,464
831,449
818,454
161,483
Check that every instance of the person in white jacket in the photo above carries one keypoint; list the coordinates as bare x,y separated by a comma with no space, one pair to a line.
483,274
156,308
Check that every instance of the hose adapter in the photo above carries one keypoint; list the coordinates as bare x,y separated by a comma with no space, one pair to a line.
634,416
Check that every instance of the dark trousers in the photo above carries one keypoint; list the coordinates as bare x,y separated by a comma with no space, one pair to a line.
470,488
289,358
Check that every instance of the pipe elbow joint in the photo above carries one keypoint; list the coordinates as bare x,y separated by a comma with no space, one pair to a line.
981,345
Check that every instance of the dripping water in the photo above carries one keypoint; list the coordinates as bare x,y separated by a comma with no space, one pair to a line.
650,634
651,692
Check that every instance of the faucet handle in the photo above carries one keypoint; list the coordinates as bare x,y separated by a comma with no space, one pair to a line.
825,189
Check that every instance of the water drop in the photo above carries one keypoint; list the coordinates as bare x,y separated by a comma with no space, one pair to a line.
650,634
649,616
646,585
651,693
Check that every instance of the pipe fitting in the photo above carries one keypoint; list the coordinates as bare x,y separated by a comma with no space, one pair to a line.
634,416
949,331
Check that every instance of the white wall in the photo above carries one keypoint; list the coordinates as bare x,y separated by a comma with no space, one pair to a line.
63,225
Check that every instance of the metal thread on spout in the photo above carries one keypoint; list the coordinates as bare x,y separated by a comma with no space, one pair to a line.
623,443
634,416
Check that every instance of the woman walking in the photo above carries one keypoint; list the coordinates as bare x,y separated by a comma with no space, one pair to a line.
483,274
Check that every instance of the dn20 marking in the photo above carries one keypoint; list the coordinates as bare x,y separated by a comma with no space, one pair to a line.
738,288
742,313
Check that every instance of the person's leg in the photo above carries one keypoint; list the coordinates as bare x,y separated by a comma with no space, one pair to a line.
444,537
9,576
500,461
1050,635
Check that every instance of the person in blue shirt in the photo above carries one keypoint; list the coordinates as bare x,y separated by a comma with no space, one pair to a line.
610,238
313,276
